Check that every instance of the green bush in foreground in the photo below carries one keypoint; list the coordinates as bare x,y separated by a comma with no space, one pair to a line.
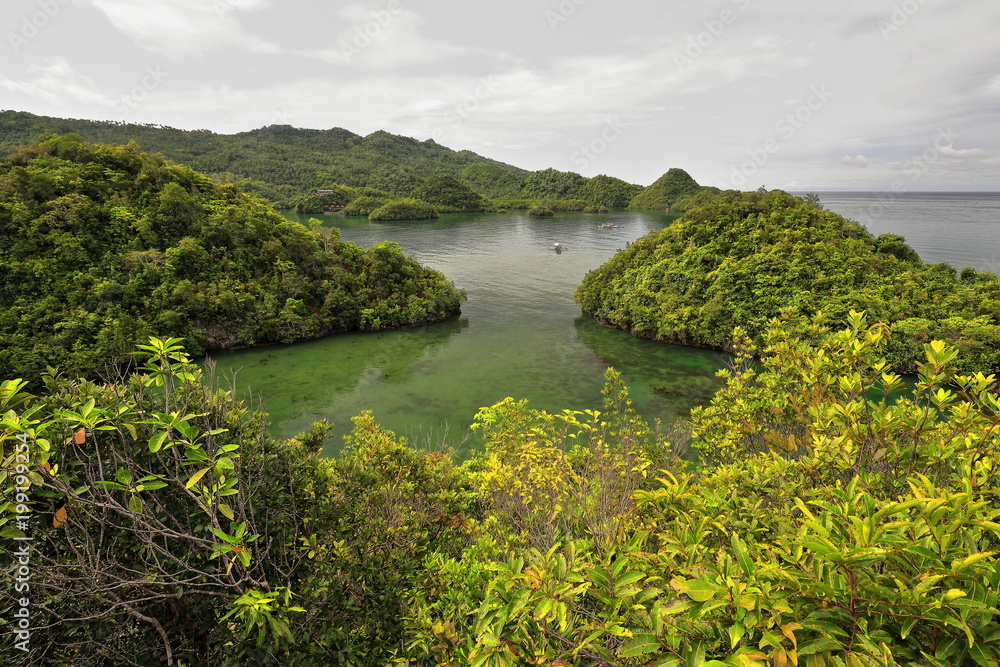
404,209
831,522
828,526
169,528
540,211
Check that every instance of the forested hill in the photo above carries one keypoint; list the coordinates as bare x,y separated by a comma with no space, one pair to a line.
105,245
280,162
741,258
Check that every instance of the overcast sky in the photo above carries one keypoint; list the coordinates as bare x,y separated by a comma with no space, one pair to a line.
844,94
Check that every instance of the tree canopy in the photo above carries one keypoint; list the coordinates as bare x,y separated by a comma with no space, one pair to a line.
106,245
404,209
665,191
280,162
742,257
449,195
831,521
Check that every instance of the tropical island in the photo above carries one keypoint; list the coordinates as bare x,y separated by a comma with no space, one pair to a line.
832,513
107,245
740,258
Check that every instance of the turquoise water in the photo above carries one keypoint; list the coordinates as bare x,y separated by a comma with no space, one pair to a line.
520,334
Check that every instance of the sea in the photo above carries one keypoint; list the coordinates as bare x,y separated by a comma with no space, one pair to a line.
959,228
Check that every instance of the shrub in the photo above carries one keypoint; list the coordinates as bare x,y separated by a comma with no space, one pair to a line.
404,209
540,211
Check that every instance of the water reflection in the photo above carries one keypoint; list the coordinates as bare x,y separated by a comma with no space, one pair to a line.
518,335
666,381
302,383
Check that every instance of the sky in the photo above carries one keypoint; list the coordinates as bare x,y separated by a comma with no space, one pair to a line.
875,95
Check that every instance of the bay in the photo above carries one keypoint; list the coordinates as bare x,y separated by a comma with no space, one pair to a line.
520,334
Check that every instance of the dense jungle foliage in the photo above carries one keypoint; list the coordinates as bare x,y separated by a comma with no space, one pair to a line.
326,199
278,162
404,209
449,195
826,525
366,204
666,191
742,257
106,245
287,165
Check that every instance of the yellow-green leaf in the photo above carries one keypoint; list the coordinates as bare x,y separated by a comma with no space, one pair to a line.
195,478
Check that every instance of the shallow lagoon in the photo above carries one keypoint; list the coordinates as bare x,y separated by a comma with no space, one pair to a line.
520,334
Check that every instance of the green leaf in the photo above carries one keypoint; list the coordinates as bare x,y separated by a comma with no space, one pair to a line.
135,504
908,626
964,564
819,645
736,633
699,591
740,551
227,511
619,631
224,536
195,478
601,577
639,645
628,578
984,655
156,442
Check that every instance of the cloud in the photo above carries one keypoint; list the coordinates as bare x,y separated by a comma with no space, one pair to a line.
184,28
959,153
56,83
856,161
387,38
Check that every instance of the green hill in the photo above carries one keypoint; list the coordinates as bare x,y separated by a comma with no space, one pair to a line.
105,245
609,191
287,165
280,162
743,257
450,195
665,191
404,209
553,184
